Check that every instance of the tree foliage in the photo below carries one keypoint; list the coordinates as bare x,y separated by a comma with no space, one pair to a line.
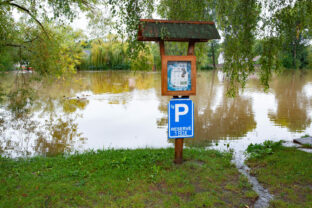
293,26
58,54
50,48
129,13
238,21
197,10
110,54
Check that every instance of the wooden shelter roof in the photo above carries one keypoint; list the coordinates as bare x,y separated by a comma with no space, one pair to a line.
169,30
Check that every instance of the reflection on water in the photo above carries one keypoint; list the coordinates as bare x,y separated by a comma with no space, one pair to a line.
293,103
219,116
95,110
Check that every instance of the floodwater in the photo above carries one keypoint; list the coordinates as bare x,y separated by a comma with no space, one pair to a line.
122,109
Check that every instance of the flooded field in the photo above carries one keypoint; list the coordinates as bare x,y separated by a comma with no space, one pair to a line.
122,109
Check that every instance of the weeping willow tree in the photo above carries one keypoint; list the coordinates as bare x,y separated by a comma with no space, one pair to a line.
112,54
280,24
36,30
109,54
285,34
56,55
100,53
293,23
144,60
238,21
129,13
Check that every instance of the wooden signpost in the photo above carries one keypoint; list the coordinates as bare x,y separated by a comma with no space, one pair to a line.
178,73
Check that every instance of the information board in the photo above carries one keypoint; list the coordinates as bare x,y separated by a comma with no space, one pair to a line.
179,75
180,118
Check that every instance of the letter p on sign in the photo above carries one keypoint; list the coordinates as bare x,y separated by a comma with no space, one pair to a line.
179,112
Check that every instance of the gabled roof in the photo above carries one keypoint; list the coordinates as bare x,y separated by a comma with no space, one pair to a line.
169,30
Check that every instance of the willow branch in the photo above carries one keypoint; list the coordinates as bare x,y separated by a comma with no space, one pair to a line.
16,46
6,2
12,45
30,14
32,40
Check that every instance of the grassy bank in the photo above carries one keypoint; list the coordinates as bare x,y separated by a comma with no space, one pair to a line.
287,173
125,178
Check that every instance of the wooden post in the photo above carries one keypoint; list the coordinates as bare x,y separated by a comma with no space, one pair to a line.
162,55
162,48
178,147
178,143
191,49
178,150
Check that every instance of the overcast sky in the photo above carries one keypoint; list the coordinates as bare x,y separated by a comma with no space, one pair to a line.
81,22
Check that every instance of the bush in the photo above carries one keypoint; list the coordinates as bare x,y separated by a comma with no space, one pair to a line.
6,61
207,67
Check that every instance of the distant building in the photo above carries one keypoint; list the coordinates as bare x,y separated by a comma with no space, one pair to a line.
257,58
221,58
87,52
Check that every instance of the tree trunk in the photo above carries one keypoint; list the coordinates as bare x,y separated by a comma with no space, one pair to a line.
295,54
213,55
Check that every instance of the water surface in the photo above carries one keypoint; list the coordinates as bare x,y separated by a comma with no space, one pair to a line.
122,109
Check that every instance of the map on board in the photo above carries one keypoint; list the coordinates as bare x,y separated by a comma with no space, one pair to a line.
179,75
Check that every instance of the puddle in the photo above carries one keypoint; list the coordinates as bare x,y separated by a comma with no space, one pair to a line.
239,160
239,147
305,150
264,196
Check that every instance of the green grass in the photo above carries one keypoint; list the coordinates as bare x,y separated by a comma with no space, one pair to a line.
125,178
287,173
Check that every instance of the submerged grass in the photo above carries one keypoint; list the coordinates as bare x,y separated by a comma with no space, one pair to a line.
260,150
308,146
287,173
125,178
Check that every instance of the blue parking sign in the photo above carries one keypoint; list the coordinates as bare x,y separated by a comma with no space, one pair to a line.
180,118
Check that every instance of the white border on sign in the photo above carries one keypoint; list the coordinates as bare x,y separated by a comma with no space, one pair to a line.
175,137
